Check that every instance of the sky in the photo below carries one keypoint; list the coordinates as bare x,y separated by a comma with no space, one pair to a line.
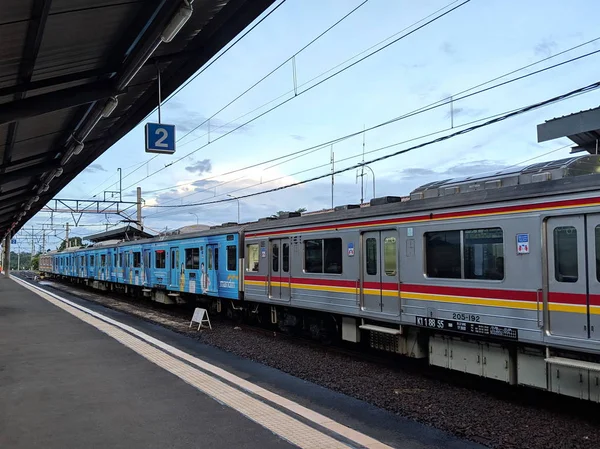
477,42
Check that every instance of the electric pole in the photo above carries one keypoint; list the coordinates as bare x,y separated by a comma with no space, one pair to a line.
139,208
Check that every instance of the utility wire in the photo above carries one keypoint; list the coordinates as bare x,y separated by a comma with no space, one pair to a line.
303,92
202,70
429,107
275,69
523,110
361,155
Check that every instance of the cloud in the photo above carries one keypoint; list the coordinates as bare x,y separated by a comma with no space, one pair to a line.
200,167
459,170
415,171
475,168
94,168
189,120
545,48
448,48
465,112
297,137
313,196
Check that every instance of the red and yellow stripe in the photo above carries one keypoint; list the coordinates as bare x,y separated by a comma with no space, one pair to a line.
512,299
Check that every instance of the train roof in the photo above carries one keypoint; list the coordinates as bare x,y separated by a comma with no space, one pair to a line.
578,174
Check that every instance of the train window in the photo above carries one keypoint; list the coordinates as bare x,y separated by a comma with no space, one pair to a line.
442,250
389,256
216,258
103,260
313,256
323,256
192,259
160,259
484,254
598,253
209,253
275,256
371,254
285,263
137,259
252,257
231,257
565,254
333,255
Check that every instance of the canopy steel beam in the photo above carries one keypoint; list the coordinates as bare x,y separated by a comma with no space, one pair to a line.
53,101
33,40
32,170
55,81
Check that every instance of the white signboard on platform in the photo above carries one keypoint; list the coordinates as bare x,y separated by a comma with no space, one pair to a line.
200,317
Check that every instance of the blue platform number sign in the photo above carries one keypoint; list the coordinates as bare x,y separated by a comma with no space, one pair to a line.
160,138
522,243
13,241
350,249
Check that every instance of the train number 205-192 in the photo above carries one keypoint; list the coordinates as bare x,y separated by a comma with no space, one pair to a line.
465,317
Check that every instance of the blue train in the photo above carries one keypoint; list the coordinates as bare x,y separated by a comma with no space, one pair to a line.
165,268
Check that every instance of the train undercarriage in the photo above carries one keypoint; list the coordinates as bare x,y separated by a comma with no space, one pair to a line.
564,372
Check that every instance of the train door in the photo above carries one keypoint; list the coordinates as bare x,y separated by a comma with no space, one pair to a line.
146,265
212,267
174,272
279,271
567,277
593,267
379,286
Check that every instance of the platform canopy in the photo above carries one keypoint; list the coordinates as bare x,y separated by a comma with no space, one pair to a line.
125,233
583,128
77,75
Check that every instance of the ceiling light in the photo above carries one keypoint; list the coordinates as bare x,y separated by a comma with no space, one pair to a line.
78,148
109,108
58,172
177,22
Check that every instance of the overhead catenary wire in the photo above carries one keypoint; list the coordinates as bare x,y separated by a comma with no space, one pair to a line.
155,214
520,111
203,69
291,58
403,36
454,98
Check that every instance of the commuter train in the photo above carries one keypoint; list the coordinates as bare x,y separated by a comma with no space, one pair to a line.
496,275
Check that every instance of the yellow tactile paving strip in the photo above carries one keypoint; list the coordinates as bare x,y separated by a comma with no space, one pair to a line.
280,423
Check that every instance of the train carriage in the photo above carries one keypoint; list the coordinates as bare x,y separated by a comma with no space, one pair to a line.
496,275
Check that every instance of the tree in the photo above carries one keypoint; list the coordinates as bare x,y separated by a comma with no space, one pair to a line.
23,260
74,241
282,212
35,262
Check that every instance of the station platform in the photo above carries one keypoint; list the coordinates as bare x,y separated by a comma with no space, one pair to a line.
74,374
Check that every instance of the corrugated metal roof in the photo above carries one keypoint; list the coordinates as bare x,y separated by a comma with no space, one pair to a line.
60,60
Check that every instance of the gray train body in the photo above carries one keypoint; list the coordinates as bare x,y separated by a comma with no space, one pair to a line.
497,276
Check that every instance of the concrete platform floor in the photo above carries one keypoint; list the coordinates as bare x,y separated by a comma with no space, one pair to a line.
71,380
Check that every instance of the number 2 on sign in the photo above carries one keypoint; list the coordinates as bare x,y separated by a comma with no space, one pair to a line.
160,142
